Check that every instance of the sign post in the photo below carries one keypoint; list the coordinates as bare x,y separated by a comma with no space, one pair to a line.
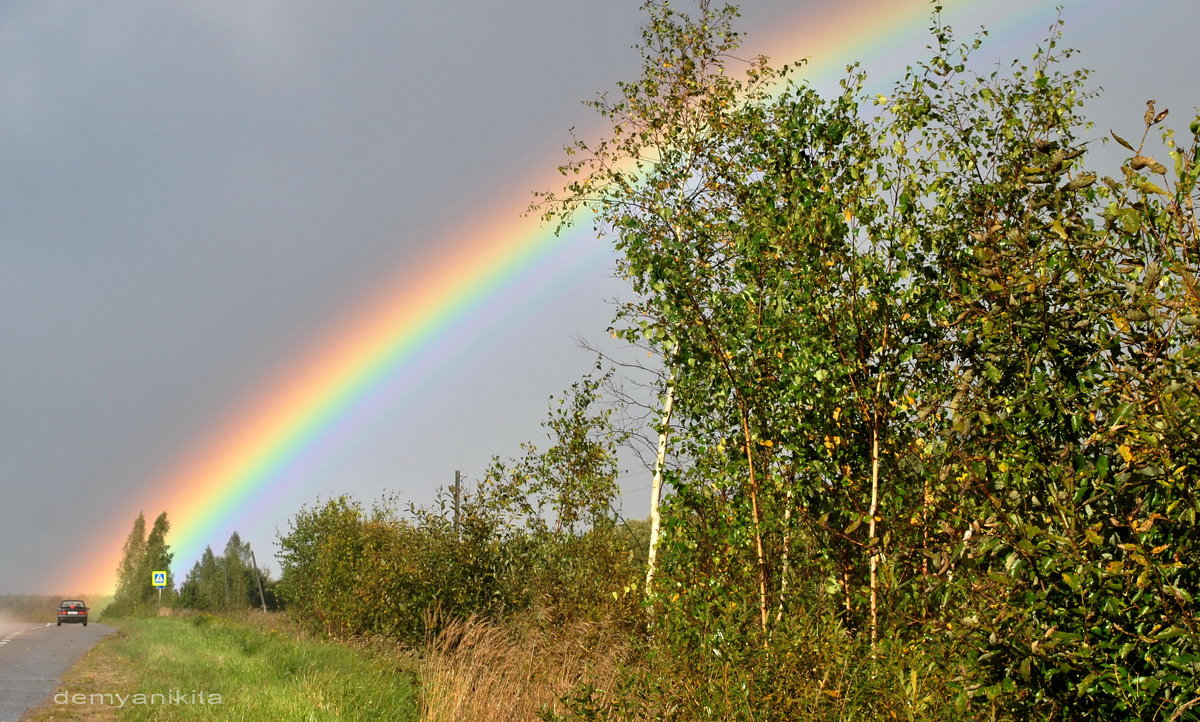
158,580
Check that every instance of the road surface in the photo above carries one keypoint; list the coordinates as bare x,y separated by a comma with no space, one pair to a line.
33,658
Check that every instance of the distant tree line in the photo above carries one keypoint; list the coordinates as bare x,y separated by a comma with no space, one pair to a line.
38,607
229,583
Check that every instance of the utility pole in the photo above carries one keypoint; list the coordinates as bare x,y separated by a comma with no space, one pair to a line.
258,578
457,499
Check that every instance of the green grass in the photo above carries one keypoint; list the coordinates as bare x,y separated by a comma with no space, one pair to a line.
205,667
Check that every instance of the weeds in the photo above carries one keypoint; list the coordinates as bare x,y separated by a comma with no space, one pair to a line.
478,670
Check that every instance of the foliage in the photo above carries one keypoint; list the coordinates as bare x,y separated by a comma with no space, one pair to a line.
229,583
143,554
553,508
936,386
538,538
129,584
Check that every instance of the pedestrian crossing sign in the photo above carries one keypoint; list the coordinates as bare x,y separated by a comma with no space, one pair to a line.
158,579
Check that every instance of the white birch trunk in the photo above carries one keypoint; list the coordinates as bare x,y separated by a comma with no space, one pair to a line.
656,484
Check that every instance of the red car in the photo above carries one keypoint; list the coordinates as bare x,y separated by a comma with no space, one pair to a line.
72,611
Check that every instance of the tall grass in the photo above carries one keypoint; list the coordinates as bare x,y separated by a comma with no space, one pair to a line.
478,670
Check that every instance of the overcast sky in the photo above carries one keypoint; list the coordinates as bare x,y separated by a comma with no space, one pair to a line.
193,193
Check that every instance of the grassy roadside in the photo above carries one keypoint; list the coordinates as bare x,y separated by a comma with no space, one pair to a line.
204,667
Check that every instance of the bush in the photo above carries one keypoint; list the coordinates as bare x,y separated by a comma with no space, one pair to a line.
937,383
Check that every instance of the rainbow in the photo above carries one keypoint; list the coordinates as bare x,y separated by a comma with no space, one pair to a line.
396,335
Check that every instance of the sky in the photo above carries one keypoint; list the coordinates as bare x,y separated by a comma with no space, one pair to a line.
203,203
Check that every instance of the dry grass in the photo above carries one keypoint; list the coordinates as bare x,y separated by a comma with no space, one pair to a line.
477,670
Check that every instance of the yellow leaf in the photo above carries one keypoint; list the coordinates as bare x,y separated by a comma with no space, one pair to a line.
849,215
1125,453
1147,187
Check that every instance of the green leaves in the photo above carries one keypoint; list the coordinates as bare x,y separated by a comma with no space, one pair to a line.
538,533
143,554
977,398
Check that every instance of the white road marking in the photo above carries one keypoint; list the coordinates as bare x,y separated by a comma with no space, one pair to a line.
9,637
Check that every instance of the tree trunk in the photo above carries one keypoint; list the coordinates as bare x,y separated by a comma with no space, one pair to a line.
656,484
785,561
874,558
758,544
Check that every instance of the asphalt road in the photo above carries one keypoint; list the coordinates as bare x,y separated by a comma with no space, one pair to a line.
33,658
